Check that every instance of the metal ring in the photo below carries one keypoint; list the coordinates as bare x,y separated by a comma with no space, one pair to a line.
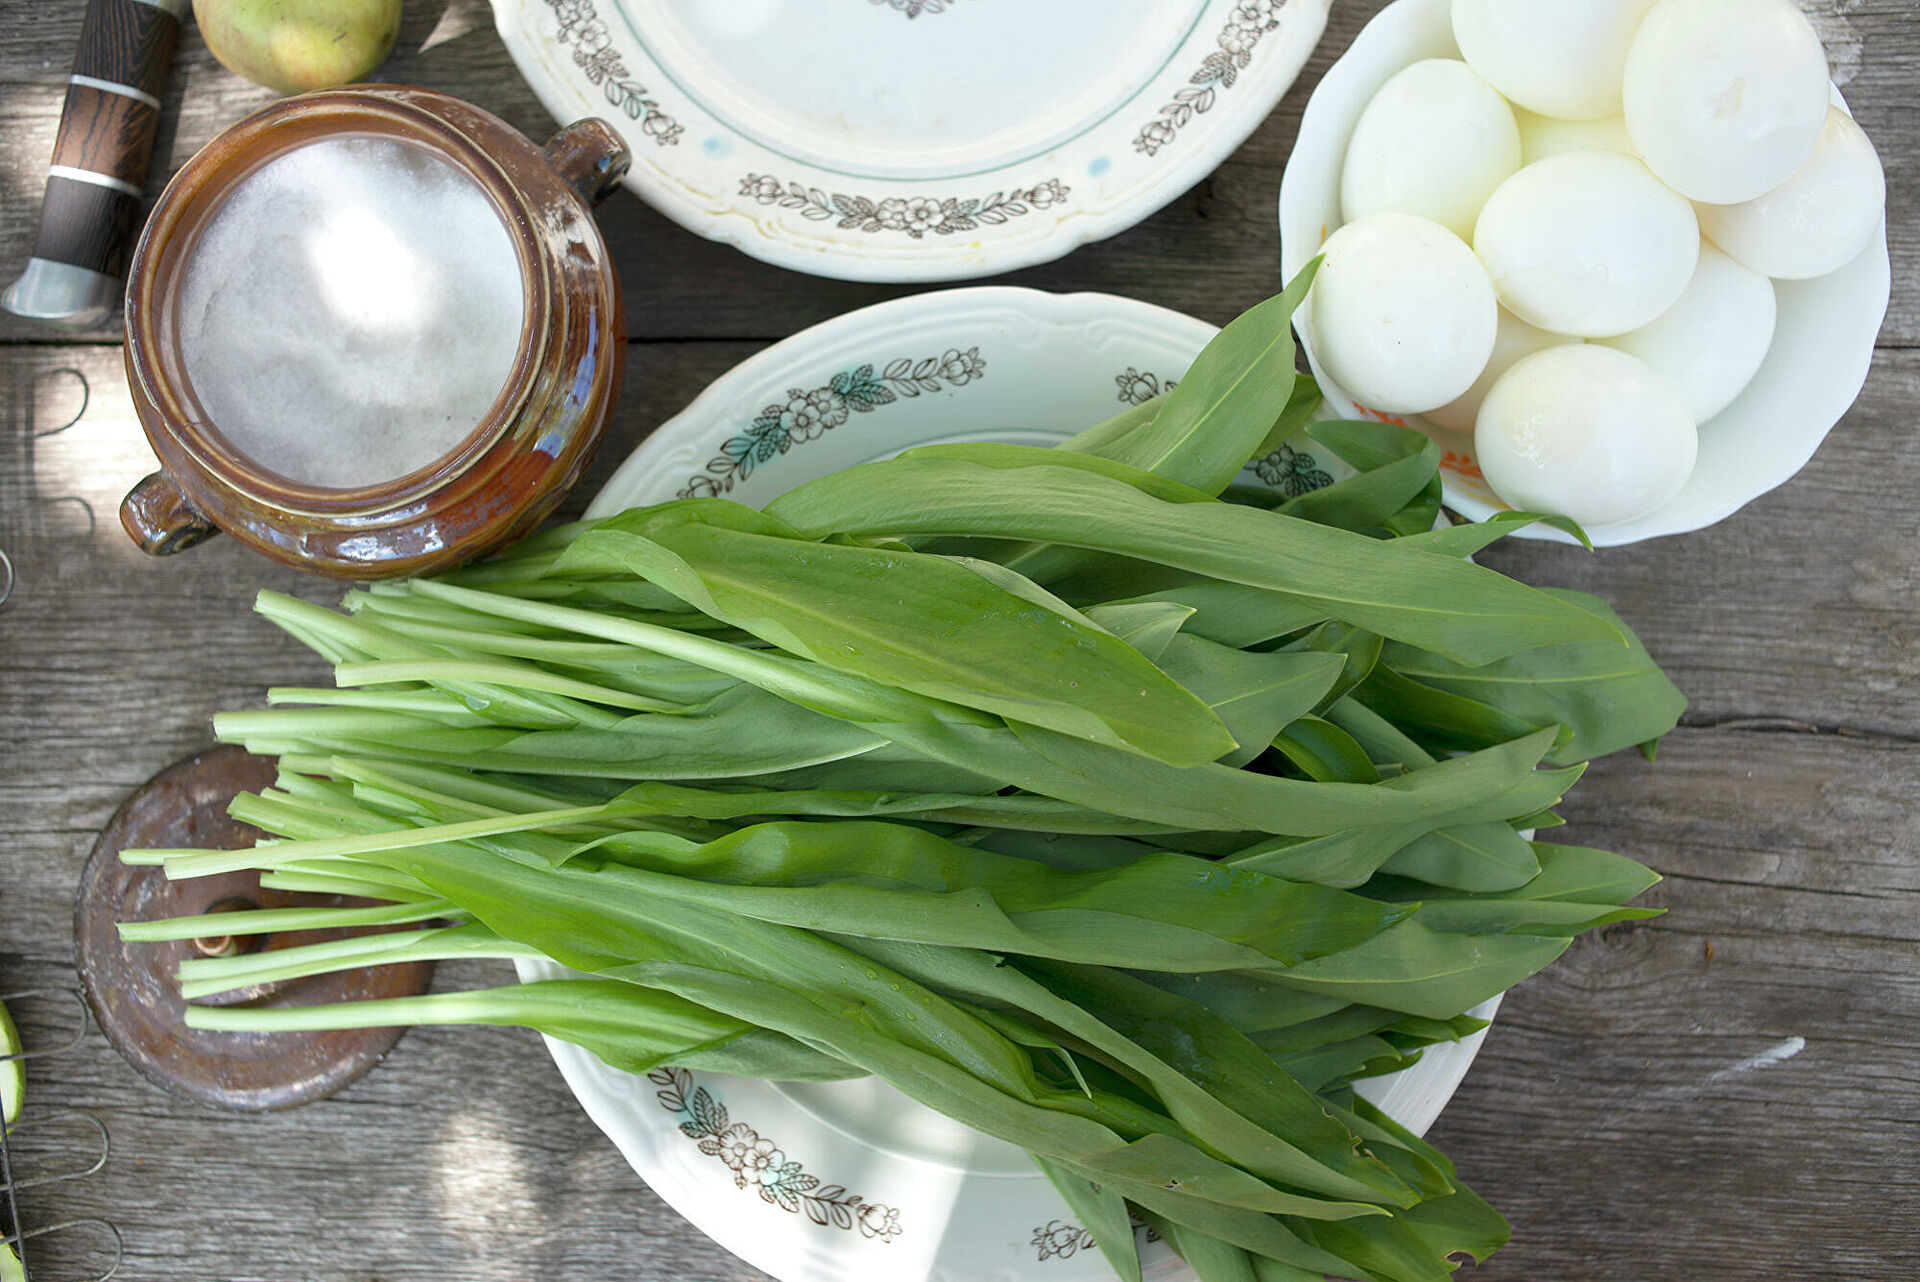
6,563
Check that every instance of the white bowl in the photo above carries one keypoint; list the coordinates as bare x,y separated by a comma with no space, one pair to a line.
1817,365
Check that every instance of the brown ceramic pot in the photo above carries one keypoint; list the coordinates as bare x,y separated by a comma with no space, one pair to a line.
514,467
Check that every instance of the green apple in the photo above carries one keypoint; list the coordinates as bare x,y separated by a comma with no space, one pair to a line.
296,45
13,1074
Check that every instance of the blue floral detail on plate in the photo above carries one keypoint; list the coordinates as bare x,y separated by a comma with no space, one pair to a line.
809,413
1293,472
1290,470
758,1164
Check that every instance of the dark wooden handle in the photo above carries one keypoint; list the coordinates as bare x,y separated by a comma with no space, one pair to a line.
107,127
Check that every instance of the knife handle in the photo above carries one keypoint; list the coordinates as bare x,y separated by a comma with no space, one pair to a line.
107,128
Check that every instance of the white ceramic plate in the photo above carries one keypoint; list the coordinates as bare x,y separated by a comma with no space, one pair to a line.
851,1181
914,140
1821,351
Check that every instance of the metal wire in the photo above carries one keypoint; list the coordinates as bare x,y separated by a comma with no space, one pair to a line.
80,1028
108,1227
17,1235
86,399
61,1177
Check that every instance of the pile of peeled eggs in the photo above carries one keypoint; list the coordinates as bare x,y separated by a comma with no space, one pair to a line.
1566,243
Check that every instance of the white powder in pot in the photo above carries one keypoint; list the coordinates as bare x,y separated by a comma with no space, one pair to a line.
351,311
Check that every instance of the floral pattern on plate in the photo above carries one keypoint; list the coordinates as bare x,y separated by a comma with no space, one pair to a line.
914,215
807,414
1289,469
1062,1239
1252,19
583,28
1292,471
1137,388
758,1164
914,8
828,137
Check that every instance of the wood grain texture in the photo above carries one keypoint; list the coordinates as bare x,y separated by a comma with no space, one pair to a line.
1595,1116
461,1157
1212,252
106,133
86,225
1619,1113
127,42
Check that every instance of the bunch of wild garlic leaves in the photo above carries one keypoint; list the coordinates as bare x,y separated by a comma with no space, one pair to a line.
1106,808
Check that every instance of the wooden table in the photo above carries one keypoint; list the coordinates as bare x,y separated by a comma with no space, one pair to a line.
1725,1092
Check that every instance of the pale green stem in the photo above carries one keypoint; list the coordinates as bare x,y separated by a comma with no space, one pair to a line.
786,677
182,864
319,883
205,976
510,675
430,1008
261,921
584,654
421,703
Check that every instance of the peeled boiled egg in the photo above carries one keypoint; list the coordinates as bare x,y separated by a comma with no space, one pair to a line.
1587,243
1817,221
1434,141
1401,314
1559,58
1585,431
1513,340
1711,343
1543,136
1725,98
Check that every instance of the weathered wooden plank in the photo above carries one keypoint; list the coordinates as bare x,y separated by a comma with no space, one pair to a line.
1798,608
110,666
1801,605
1610,1116
459,1157
1734,1085
1595,1117
1213,252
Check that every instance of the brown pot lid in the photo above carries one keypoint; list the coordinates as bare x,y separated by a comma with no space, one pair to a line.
133,988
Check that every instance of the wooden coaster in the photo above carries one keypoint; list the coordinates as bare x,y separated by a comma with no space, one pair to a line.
133,987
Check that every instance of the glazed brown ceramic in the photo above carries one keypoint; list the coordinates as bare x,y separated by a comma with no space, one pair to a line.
511,470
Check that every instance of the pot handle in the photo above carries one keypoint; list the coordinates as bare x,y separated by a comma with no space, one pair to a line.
589,157
161,519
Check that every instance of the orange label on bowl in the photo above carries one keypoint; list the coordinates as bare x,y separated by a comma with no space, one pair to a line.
1379,417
